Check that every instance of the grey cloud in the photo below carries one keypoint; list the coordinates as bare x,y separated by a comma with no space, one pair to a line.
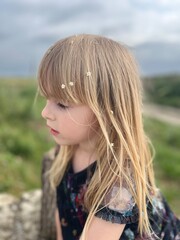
65,13
117,29
29,28
158,58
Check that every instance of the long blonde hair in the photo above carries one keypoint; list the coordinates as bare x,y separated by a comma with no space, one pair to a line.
105,78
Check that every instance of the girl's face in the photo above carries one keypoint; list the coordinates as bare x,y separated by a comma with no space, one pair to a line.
70,124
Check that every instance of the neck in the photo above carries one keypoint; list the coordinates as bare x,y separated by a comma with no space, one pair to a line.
82,158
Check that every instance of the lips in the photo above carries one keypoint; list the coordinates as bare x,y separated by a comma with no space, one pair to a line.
53,131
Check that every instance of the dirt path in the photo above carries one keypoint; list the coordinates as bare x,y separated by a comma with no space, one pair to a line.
166,114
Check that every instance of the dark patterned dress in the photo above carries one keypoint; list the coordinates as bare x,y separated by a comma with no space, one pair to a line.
70,194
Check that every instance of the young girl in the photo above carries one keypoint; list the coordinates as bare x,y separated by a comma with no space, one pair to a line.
103,172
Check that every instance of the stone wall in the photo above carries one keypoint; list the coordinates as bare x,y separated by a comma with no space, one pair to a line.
32,216
20,218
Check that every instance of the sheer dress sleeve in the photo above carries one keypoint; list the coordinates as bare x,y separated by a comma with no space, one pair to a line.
118,206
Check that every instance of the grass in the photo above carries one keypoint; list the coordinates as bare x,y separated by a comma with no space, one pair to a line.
163,90
166,141
23,136
24,139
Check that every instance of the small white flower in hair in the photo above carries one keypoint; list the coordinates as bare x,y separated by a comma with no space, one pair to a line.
88,74
111,112
71,83
63,85
112,144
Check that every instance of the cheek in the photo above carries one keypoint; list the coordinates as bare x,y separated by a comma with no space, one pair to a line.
85,120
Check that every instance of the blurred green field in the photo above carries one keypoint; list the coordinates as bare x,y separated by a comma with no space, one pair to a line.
163,90
23,136
24,139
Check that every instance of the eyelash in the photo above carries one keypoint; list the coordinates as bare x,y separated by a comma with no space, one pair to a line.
62,106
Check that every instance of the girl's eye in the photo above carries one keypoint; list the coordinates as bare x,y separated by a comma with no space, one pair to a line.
62,106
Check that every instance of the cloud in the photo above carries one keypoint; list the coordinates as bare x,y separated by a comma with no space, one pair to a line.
158,57
29,27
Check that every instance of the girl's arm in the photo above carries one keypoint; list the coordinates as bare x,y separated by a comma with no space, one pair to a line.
58,226
104,230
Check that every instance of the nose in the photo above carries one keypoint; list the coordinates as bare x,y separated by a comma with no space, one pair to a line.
47,112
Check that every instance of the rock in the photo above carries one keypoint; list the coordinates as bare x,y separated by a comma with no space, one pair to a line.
20,218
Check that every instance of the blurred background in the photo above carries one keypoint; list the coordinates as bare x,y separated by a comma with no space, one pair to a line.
27,28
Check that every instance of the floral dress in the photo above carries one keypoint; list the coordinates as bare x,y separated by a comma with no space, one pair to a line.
70,194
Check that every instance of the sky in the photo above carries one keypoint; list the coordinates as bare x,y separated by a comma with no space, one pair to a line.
151,28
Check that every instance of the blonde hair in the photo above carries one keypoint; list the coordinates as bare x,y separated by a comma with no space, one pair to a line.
105,78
